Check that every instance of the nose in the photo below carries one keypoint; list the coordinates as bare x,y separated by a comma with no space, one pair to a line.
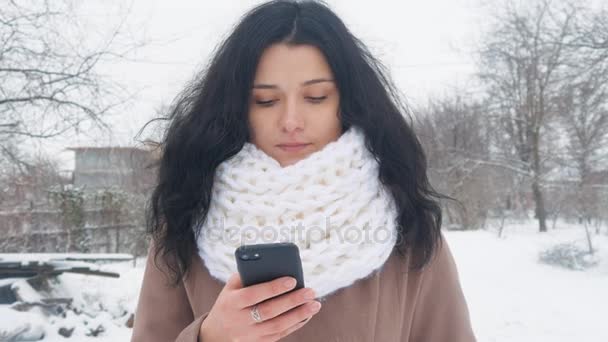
291,119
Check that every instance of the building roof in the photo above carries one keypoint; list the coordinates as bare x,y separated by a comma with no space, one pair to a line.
100,148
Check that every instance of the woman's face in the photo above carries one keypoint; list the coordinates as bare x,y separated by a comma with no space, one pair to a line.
293,109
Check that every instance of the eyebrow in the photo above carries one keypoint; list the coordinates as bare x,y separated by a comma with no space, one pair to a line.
306,83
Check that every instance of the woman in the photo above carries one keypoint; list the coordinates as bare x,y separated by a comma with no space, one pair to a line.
295,124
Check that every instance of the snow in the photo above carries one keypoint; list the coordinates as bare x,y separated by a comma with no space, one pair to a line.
104,301
29,322
97,301
25,292
510,294
513,297
8,281
48,257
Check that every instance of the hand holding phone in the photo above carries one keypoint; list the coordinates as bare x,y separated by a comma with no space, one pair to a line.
260,263
270,279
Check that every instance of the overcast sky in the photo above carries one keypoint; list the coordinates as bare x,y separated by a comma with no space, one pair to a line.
425,44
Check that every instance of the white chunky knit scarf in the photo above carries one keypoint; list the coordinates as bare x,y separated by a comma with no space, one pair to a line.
331,204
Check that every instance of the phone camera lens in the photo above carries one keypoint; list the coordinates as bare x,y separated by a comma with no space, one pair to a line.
245,257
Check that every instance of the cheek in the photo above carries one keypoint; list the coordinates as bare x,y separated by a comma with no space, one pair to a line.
257,127
328,125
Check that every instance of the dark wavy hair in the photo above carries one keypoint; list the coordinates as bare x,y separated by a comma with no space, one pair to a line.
208,123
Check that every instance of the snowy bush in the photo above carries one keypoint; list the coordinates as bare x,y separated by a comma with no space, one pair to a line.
568,255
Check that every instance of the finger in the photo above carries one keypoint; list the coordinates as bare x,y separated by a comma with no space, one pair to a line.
276,306
289,331
234,282
254,294
289,319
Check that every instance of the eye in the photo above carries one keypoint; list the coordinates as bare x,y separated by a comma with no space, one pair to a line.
265,103
316,99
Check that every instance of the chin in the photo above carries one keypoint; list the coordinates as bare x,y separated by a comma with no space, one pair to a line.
288,162
290,159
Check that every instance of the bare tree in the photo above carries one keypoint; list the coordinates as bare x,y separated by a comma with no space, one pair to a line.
49,78
584,113
524,60
455,136
592,40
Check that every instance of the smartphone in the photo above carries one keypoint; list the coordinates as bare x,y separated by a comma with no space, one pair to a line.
264,262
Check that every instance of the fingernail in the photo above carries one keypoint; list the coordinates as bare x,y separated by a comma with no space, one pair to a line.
289,283
314,307
310,294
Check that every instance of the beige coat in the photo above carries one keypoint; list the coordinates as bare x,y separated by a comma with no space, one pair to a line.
391,305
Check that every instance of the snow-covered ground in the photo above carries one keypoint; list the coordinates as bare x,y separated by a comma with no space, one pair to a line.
511,296
98,301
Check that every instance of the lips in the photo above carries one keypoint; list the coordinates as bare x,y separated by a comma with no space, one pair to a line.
292,147
292,144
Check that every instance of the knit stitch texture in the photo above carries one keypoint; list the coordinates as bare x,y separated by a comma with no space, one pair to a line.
331,204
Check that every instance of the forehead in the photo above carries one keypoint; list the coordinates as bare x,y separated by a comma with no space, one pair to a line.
282,63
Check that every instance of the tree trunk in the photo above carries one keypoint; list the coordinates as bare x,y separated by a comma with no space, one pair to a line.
588,235
541,215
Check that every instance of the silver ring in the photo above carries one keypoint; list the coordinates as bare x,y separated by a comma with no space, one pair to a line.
255,314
